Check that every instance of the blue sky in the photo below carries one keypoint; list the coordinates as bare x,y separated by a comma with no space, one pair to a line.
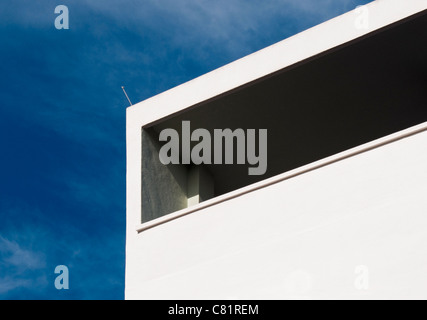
62,119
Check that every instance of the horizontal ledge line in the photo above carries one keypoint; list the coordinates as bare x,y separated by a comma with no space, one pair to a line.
287,175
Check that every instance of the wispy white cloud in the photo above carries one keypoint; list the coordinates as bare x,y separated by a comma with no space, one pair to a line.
18,266
11,283
16,256
30,253
202,24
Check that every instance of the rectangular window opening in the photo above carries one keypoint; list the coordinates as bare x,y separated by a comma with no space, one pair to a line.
352,95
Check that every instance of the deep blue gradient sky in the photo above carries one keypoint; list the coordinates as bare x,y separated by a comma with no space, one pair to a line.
62,119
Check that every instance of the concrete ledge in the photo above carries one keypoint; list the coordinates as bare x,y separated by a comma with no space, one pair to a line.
285,176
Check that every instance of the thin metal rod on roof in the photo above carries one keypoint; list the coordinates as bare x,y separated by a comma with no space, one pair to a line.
123,88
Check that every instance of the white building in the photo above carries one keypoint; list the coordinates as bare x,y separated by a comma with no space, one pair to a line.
341,211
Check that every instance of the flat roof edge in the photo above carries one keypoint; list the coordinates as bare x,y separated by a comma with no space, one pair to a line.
302,46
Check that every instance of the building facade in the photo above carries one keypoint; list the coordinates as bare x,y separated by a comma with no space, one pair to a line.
340,210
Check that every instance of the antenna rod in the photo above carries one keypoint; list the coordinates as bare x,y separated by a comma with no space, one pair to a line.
123,88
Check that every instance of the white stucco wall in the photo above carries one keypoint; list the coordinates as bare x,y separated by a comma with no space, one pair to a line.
304,237
362,219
